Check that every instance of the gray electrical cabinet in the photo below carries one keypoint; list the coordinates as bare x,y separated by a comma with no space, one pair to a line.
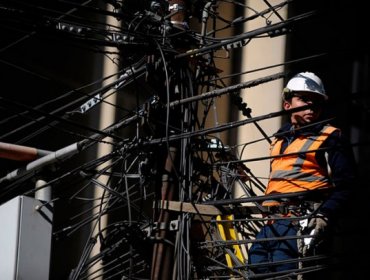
25,239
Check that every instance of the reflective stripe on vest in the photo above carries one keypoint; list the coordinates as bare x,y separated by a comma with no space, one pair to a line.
300,171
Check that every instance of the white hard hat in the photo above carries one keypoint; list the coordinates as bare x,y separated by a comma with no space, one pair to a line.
305,82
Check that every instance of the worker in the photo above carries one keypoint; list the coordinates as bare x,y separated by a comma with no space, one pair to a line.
325,174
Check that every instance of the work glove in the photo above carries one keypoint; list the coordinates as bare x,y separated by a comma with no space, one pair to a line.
318,226
319,223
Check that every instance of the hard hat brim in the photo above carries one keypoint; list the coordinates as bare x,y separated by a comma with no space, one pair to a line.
311,94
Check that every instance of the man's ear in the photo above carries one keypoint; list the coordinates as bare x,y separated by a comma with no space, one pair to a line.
287,105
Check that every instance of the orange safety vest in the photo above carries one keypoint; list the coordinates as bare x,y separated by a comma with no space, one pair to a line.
298,172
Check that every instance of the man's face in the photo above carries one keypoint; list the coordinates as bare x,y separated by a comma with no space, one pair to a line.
309,115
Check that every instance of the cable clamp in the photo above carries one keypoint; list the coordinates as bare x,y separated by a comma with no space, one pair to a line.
172,226
175,7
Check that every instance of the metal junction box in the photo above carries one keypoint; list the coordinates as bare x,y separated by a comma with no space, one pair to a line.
25,239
